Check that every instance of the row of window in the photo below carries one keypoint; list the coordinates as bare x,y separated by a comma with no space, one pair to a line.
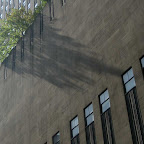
9,4
135,118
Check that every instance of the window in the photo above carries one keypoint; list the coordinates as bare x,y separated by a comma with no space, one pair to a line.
29,5
134,113
142,64
6,8
10,2
104,101
51,10
35,3
6,3
1,16
13,3
129,81
74,131
5,68
1,9
14,58
1,2
22,48
19,3
63,2
106,118
24,3
56,138
89,123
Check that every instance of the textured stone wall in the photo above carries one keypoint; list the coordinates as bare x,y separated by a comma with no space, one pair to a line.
83,50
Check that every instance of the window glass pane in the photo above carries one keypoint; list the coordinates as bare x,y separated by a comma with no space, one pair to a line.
86,111
75,131
142,62
130,73
102,98
74,122
105,106
56,138
90,108
106,94
125,77
90,119
131,84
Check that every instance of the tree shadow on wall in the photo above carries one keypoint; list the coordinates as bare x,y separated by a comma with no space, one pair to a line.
60,60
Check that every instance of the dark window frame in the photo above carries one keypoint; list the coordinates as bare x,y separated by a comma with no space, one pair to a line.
126,100
103,102
128,81
63,2
73,128
54,136
92,123
142,68
88,115
103,113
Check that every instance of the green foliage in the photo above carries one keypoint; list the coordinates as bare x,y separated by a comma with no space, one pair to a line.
39,8
14,27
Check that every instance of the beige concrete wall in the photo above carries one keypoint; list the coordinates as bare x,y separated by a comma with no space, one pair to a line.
85,49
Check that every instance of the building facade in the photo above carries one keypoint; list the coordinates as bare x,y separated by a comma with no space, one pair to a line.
7,5
77,77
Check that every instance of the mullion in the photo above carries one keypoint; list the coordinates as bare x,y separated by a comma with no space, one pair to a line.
89,124
75,136
86,119
126,83
57,142
105,101
53,138
89,115
128,80
105,111
74,127
101,107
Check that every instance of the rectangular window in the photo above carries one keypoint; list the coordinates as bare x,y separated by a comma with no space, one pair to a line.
1,2
31,38
24,3
19,4
14,58
56,138
63,2
1,16
10,2
6,3
74,131
35,3
28,4
108,133
142,64
6,8
129,81
89,123
133,108
51,10
22,48
13,3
